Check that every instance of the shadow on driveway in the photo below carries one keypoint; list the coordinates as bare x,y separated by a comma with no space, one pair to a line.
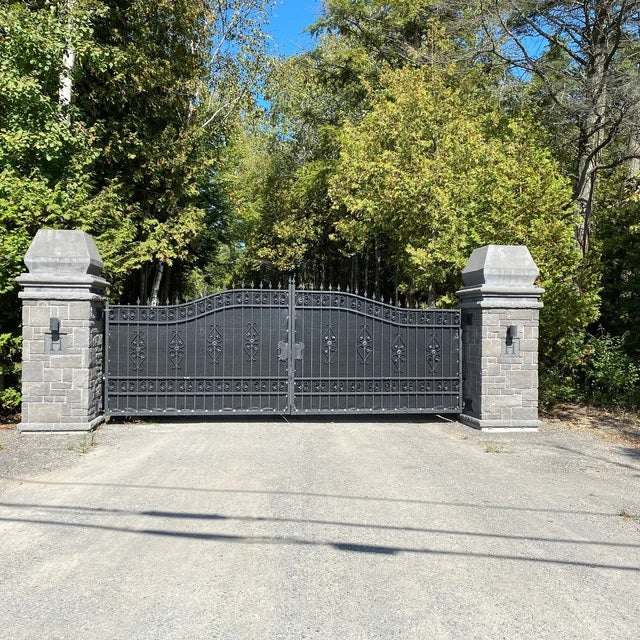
292,540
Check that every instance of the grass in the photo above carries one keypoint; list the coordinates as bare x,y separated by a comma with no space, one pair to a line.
493,448
629,517
85,445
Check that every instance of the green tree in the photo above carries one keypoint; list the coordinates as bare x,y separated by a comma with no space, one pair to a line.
438,168
164,111
113,119
45,160
583,55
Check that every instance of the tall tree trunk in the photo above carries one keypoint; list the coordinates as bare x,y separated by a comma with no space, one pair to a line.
585,191
65,79
633,163
157,280
594,125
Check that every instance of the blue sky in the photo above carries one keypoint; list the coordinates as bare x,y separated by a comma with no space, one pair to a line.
288,20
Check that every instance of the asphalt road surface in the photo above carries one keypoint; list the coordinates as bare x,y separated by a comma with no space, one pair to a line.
353,530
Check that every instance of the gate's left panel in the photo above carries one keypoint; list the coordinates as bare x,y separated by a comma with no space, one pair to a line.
219,354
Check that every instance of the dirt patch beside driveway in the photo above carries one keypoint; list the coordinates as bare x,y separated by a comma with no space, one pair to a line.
622,427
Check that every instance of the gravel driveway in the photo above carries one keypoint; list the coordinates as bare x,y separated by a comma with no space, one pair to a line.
352,530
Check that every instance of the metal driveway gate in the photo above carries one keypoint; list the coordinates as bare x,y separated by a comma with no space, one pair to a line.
284,351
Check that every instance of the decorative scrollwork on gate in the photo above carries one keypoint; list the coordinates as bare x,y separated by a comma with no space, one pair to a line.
329,346
398,353
176,349
433,352
214,343
252,341
138,350
365,344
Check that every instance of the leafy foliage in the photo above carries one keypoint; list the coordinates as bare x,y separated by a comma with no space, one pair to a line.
610,375
437,169
155,88
10,349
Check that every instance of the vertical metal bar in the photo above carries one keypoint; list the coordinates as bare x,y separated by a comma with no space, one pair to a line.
307,321
442,367
344,340
460,363
156,401
127,370
221,371
251,307
191,369
291,338
315,364
267,312
105,347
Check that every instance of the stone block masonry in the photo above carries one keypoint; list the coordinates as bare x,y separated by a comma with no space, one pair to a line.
62,329
500,307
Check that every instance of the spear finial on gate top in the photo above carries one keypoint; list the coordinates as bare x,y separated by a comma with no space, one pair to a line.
356,290
138,300
330,287
365,294
253,286
279,284
338,288
149,301
166,302
261,284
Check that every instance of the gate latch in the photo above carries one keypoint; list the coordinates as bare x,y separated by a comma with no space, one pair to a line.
283,350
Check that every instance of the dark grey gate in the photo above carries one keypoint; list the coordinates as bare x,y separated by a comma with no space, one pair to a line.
285,351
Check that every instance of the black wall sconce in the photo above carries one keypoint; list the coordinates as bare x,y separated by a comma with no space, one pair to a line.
54,328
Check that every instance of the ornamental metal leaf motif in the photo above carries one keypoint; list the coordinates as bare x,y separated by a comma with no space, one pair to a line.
365,344
330,344
137,350
252,341
433,352
214,343
399,352
176,349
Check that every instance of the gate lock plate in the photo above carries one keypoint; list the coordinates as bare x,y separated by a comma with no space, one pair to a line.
283,350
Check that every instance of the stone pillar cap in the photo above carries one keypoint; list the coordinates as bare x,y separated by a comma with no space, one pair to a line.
57,252
63,265
500,266
500,277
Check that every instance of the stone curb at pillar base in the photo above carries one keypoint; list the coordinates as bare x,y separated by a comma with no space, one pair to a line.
61,427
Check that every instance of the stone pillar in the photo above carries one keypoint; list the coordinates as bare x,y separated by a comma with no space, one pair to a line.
62,329
500,307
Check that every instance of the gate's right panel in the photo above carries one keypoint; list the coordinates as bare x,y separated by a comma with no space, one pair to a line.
357,355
